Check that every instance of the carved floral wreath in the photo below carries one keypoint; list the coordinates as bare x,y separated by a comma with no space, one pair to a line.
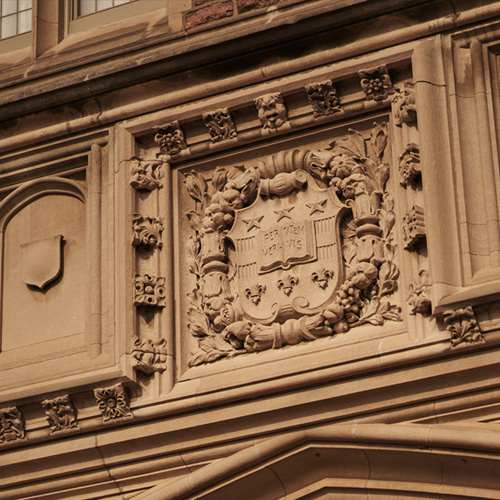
356,170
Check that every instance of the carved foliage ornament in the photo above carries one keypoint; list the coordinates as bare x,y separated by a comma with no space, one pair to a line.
170,138
405,110
112,402
376,83
463,327
323,98
419,299
149,355
413,227
11,424
149,291
298,216
146,174
147,231
409,164
272,110
60,413
220,125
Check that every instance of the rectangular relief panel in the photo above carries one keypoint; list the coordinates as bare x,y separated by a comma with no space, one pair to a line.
286,244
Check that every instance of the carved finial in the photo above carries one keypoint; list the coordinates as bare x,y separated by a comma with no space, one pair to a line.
149,355
376,83
220,125
11,424
463,327
419,298
112,402
323,98
147,231
272,110
61,414
149,291
146,174
404,107
409,164
170,138
413,227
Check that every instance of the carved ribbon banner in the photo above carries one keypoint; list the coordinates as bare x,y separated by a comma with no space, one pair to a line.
299,247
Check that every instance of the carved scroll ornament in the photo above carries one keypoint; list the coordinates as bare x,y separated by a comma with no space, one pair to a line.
11,424
149,291
220,125
405,110
264,235
419,299
409,164
146,174
147,231
463,327
60,413
323,98
413,227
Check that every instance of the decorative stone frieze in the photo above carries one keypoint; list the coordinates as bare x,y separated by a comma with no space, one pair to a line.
148,355
405,110
419,300
220,125
147,231
463,327
376,83
327,213
61,414
413,227
149,291
323,98
112,402
409,164
272,110
170,138
12,425
146,174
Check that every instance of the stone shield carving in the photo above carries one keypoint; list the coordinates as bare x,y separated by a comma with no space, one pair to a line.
42,261
276,234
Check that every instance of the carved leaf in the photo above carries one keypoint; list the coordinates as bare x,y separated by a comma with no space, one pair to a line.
194,220
350,251
353,146
196,186
378,139
198,323
219,178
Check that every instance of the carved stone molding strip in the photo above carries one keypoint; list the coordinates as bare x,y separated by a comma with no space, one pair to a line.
61,414
419,299
12,424
146,174
147,231
409,164
323,98
376,83
220,125
272,110
413,227
112,402
170,138
148,355
149,291
405,110
463,327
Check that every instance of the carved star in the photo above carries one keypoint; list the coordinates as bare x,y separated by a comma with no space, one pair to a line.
317,207
255,222
284,212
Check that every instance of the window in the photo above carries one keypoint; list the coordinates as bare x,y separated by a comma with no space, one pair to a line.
15,17
86,7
